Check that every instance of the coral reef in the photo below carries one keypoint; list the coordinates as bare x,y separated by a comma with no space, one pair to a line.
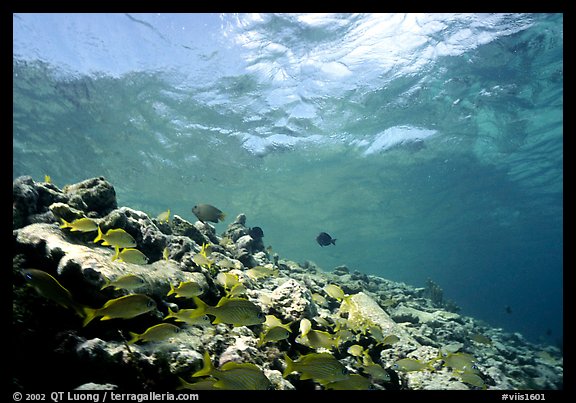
374,325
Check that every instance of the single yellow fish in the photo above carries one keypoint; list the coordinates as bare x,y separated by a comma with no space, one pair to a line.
47,179
411,364
166,253
320,367
48,287
158,332
259,272
204,384
202,260
353,382
305,326
126,307
186,289
389,340
458,361
227,280
480,338
235,376
115,237
373,369
234,311
355,350
274,330
319,299
473,379
81,225
318,339
130,255
127,282
164,216
273,334
237,290
189,316
334,291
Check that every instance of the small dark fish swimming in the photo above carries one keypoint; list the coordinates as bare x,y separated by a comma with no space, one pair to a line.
207,212
256,233
325,239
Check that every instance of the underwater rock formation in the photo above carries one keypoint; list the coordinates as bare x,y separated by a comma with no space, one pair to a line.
263,311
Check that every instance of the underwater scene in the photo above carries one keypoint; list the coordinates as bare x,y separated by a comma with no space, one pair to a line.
287,202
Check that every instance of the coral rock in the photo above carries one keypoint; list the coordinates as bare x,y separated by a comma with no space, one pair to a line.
294,301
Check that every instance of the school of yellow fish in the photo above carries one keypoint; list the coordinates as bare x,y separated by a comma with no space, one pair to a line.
323,341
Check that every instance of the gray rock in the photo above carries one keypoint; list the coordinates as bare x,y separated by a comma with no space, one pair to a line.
184,228
294,301
363,312
95,194
86,266
178,246
245,242
24,201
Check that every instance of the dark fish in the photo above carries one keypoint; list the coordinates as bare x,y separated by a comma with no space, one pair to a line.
256,232
324,239
206,212
508,309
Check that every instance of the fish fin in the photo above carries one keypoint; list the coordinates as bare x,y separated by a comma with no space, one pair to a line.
90,314
289,366
99,236
206,368
134,337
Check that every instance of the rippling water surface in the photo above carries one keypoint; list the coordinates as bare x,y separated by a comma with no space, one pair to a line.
429,145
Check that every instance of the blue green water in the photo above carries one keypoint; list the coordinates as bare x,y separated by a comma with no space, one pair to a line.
429,145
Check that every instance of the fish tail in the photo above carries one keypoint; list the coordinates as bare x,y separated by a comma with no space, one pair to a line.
99,236
430,365
289,366
201,306
65,224
172,290
90,314
117,254
106,284
182,384
172,314
79,309
222,216
333,241
260,340
134,337
207,368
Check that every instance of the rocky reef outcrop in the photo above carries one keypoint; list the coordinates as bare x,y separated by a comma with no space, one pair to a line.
386,335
